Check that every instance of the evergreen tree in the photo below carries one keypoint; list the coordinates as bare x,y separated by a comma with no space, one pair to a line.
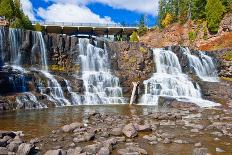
142,27
214,11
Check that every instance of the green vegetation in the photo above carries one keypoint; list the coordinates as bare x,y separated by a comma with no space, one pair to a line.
134,37
12,11
181,11
228,56
192,36
143,50
142,27
214,11
38,27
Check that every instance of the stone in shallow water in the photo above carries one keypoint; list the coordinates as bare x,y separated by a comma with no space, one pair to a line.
55,152
75,151
143,128
130,131
116,132
103,151
200,151
71,127
3,150
219,150
25,149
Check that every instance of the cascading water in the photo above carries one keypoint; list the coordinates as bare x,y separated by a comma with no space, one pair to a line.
75,98
101,87
56,92
203,66
15,37
2,38
169,81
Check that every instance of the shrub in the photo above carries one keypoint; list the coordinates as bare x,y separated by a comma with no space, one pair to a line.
167,20
134,37
192,36
38,27
228,56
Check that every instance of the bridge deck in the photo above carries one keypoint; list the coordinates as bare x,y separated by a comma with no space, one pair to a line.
87,28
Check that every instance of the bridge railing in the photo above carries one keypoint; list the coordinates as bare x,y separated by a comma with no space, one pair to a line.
83,24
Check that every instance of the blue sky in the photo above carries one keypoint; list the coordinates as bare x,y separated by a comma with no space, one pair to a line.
92,11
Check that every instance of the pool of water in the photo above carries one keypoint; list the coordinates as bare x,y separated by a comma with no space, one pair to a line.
36,123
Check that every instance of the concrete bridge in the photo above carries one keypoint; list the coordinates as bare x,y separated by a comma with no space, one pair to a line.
87,28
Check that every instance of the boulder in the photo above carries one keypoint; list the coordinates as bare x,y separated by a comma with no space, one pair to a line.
55,152
104,151
200,151
25,149
130,131
75,151
71,127
116,132
3,151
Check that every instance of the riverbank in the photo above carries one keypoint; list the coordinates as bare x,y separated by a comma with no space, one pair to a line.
127,129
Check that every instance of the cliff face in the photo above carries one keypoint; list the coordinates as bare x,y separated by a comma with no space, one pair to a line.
131,62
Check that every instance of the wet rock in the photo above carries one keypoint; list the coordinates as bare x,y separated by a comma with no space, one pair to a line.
132,150
13,146
104,151
55,152
34,141
143,128
167,123
200,151
75,151
197,144
195,130
71,127
7,133
219,150
25,149
167,141
150,138
130,131
84,138
216,133
92,149
116,132
120,139
167,135
3,143
3,151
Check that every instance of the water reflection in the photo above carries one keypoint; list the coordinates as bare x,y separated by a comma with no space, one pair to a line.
36,123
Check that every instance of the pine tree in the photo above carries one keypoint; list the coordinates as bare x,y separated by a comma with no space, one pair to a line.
214,11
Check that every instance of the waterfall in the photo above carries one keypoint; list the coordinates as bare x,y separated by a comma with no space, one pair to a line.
101,87
169,81
203,66
2,38
56,92
15,37
75,98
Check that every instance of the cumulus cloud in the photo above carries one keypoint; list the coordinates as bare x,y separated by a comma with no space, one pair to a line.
142,6
28,9
70,12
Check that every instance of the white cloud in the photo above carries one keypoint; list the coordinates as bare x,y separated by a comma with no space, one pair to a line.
70,12
142,6
28,9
